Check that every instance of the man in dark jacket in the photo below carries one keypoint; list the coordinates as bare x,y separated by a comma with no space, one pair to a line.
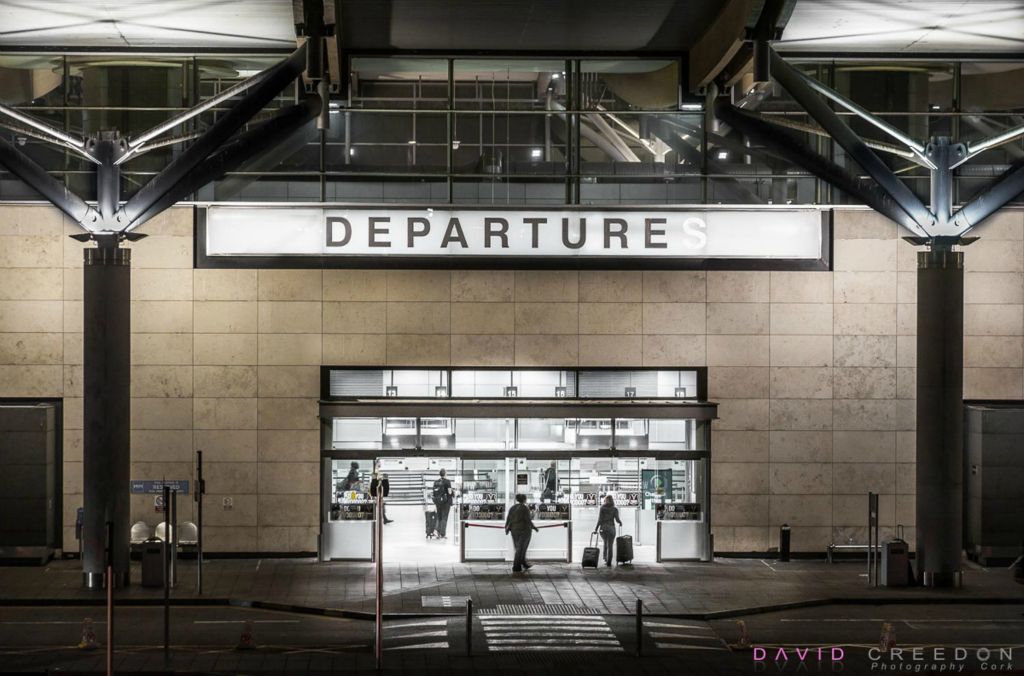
442,496
379,482
519,523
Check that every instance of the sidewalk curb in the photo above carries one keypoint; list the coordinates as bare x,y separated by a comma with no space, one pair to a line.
367,616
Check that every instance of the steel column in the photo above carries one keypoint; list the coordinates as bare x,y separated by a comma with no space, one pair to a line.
940,348
107,407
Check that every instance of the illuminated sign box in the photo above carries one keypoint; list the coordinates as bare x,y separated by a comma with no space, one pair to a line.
301,236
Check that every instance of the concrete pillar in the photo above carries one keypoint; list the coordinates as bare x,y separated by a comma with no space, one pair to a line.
940,350
107,454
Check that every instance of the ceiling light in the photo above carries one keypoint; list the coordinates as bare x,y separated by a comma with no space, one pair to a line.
723,155
691,106
555,76
535,153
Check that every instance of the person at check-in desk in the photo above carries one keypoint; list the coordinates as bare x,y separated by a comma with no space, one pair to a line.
606,520
519,524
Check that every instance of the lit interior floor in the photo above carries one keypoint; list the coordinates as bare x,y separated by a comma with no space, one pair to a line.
405,539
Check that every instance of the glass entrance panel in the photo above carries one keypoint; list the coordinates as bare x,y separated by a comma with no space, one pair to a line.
546,433
484,433
357,433
593,433
542,480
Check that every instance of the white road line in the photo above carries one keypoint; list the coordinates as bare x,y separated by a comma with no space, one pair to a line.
665,634
576,649
430,623
28,622
701,627
769,567
580,634
553,641
244,621
686,646
421,634
592,618
419,646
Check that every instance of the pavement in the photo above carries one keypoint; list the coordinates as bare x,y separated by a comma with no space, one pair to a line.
723,588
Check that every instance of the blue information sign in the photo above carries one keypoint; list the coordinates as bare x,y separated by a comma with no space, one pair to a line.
158,486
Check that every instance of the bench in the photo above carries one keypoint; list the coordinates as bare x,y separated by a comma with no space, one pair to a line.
833,548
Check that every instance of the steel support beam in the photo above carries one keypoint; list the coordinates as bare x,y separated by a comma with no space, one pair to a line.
785,143
34,176
107,410
993,198
940,362
246,146
258,96
791,80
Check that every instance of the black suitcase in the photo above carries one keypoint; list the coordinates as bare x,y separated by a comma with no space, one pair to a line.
624,548
591,554
431,524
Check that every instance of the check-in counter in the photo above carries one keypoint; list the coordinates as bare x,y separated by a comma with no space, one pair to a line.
553,539
348,533
483,532
682,532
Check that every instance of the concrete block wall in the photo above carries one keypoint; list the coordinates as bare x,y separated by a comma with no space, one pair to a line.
814,371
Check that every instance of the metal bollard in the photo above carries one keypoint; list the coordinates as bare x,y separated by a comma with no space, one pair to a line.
784,535
639,627
469,627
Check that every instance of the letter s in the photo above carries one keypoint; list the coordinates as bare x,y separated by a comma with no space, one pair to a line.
695,233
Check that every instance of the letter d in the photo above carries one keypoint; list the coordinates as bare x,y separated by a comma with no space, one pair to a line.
838,654
344,224
759,654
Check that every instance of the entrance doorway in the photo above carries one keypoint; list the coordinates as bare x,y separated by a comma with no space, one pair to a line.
411,481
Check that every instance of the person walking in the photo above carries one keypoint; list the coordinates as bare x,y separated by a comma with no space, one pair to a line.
519,524
550,482
442,496
379,482
607,517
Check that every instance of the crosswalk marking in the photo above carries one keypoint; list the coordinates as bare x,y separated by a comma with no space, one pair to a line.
547,632
685,646
420,646
684,636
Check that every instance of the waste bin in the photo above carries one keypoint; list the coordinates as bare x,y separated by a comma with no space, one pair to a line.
895,563
153,563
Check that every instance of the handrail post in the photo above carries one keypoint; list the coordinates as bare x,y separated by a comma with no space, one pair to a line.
639,627
379,619
469,627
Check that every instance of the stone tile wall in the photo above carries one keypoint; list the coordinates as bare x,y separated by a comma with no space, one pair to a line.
814,371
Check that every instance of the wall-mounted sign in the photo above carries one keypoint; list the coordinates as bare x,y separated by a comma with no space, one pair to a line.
658,237
180,485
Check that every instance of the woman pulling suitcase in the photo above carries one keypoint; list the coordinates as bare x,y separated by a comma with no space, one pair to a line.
606,520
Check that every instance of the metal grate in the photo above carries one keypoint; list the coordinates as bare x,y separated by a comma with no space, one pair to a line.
356,383
538,609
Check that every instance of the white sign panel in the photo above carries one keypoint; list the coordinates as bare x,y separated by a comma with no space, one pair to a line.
556,233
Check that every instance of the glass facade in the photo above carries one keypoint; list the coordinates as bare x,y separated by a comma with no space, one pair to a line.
489,130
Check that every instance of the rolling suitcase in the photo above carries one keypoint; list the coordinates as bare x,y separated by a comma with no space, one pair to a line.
624,548
591,554
431,524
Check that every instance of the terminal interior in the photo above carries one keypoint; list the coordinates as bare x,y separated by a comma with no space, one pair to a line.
654,469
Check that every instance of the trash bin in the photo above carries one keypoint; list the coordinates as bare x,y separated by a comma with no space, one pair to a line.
895,563
153,563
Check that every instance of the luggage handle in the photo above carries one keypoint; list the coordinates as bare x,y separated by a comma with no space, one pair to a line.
593,539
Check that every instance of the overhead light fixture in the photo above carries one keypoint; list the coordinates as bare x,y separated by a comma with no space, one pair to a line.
555,76
352,152
691,106
536,153
412,142
722,155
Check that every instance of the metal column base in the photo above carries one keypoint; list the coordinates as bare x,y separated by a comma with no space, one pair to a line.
97,580
943,580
